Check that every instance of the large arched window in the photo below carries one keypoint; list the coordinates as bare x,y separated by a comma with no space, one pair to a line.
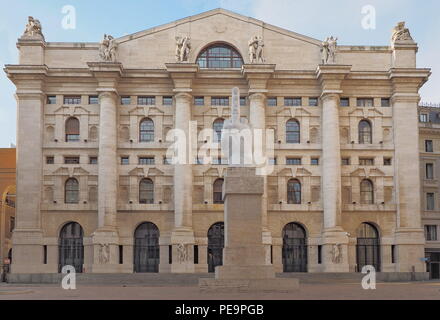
72,129
292,131
71,191
146,191
146,130
367,192
365,132
218,191
294,191
219,56
218,127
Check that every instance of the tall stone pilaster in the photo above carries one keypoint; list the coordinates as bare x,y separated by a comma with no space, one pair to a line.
182,236
27,238
330,78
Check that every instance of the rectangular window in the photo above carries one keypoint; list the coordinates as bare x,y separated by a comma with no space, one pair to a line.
345,161
72,99
93,100
166,160
220,101
273,161
344,102
293,102
423,117
93,160
147,101
387,161
71,160
219,161
272,102
314,161
50,160
319,254
242,101
170,254
196,254
431,232
365,102
146,160
293,161
11,224
366,161
385,102
429,171
429,146
125,160
199,161
313,102
51,99
393,253
167,101
121,254
430,203
271,254
45,254
199,101
125,100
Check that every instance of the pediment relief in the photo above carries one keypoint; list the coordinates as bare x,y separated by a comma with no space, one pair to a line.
80,171
70,171
213,172
71,111
139,171
360,172
286,172
145,111
365,112
154,172
375,172
301,172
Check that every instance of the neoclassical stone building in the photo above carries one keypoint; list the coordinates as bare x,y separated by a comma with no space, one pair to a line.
95,187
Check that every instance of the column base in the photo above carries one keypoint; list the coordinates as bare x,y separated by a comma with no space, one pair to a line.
335,250
182,241
410,250
105,244
27,247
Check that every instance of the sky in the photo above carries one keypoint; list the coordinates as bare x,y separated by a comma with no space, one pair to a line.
314,18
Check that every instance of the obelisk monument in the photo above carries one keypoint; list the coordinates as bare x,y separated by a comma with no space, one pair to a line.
244,266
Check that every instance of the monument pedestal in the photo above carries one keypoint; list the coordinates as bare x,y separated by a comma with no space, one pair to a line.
244,266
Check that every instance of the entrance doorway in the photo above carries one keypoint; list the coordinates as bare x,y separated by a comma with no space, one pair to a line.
216,243
367,247
71,249
146,248
294,248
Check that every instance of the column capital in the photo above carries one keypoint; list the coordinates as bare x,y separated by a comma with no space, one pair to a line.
259,96
257,76
330,77
183,96
182,75
107,74
408,80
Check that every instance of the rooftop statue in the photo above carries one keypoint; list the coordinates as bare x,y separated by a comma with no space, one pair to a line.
329,47
400,33
256,45
33,29
183,48
107,49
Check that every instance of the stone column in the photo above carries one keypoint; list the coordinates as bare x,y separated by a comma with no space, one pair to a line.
27,237
409,237
257,76
182,235
106,237
330,78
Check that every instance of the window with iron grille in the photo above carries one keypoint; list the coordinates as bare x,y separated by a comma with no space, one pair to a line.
292,131
72,99
218,191
293,102
294,192
146,101
366,161
220,101
365,102
146,130
367,192
71,160
293,161
365,132
72,130
146,191
146,160
431,232
71,191
272,101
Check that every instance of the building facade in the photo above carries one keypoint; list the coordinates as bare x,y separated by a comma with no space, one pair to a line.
7,203
96,189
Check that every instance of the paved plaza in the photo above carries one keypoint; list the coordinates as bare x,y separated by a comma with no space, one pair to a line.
325,291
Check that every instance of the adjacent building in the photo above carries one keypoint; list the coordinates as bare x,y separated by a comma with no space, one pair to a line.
96,188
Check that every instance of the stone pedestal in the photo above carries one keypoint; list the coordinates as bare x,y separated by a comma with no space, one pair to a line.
244,266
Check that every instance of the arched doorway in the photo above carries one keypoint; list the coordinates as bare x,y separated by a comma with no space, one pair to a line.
367,246
216,243
71,249
146,248
294,248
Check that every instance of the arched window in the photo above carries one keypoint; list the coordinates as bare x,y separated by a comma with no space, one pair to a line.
146,248
294,191
71,191
367,192
294,248
292,131
219,56
146,130
146,191
218,191
71,248
365,133
72,129
367,246
218,127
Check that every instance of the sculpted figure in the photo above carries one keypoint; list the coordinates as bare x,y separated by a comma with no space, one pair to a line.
329,47
107,49
336,253
33,28
104,253
183,48
400,33
181,252
256,45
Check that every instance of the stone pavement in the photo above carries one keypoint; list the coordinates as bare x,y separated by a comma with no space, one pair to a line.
326,291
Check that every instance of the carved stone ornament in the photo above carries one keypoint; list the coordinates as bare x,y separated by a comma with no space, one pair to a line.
33,29
183,48
336,253
182,254
104,253
328,50
400,33
107,49
256,54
